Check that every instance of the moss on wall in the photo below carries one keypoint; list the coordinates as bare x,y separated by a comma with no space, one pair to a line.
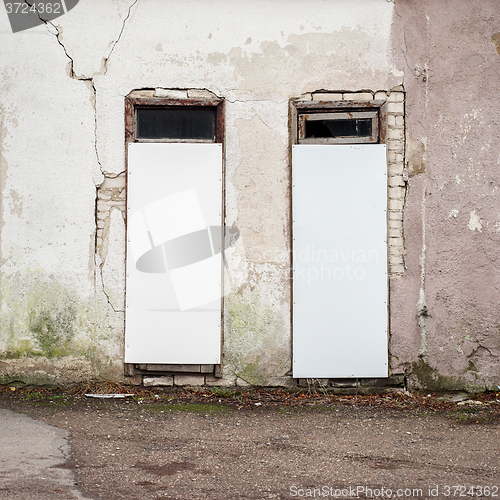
428,378
34,379
42,318
255,347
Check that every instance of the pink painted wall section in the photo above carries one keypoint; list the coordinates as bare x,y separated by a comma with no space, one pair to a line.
445,309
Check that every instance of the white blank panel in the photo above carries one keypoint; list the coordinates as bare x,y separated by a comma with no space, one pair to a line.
173,306
339,196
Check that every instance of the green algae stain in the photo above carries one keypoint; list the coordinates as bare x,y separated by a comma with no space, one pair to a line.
253,345
28,379
429,378
53,330
42,317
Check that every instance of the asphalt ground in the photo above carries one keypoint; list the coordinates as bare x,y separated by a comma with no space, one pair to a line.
255,444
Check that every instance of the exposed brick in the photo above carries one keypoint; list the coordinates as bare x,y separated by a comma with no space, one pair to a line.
380,96
135,380
395,145
398,269
142,93
395,169
104,205
182,380
113,182
174,368
158,381
171,94
395,215
396,259
344,383
394,157
394,232
395,107
396,97
395,224
282,382
396,180
395,204
395,133
400,121
325,96
397,88
358,96
396,192
212,381
200,94
396,242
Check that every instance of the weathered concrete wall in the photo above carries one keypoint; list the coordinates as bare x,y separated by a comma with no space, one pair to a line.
56,321
62,182
62,161
445,313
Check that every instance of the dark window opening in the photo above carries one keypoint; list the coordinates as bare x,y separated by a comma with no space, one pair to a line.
357,127
186,123
336,123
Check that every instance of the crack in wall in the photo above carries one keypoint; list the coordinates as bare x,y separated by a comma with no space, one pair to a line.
423,311
102,210
405,51
110,195
104,65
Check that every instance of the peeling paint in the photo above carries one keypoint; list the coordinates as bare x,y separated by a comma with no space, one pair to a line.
495,39
15,203
416,155
475,223
275,64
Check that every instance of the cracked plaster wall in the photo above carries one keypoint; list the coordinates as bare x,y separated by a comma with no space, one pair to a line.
445,319
63,156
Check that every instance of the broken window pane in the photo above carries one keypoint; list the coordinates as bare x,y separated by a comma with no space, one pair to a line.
176,123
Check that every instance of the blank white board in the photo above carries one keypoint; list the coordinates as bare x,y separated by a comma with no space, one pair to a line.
339,203
173,295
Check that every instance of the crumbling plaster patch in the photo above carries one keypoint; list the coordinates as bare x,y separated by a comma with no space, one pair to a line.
257,329
281,70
